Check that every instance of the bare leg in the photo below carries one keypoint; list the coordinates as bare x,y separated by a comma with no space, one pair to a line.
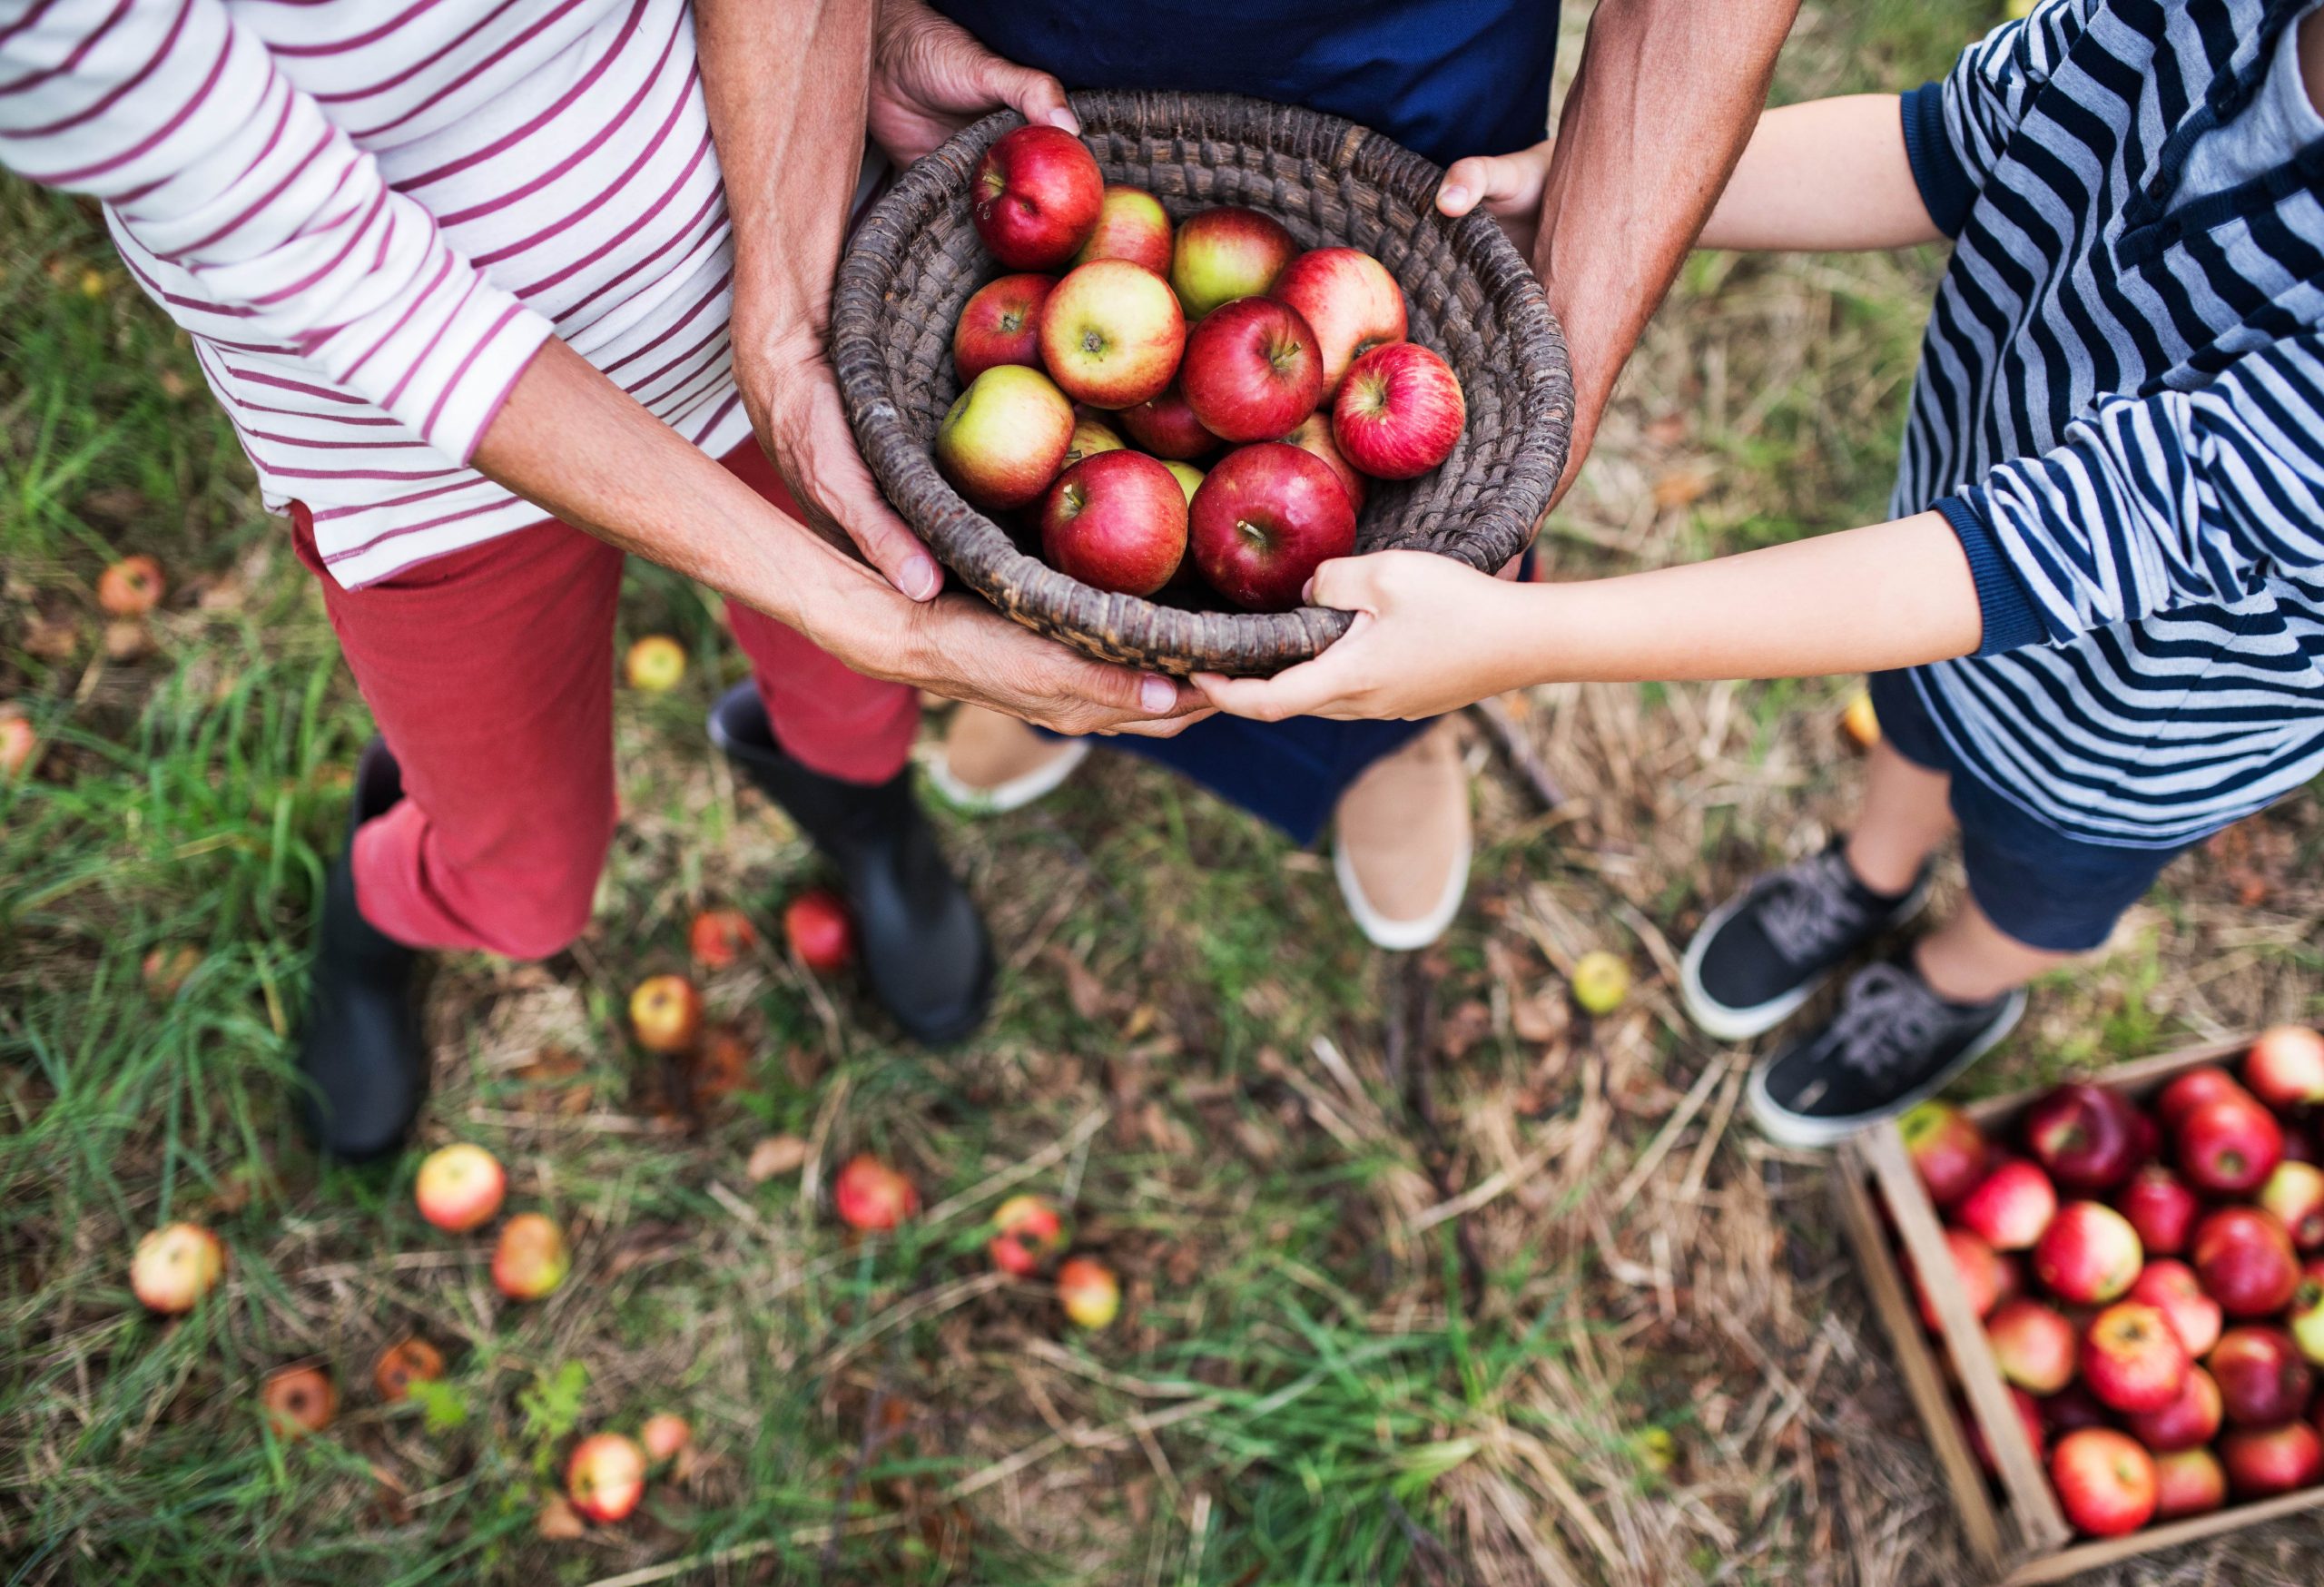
1968,959
1905,817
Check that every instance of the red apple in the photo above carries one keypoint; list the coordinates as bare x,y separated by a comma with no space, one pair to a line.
2105,1481
1132,225
2295,1194
460,1187
298,1400
2264,1461
1947,1149
1116,521
2132,1359
1399,411
605,1478
1983,1276
666,1012
718,938
2205,1083
1090,436
2308,1315
1226,253
2263,1379
1035,197
2009,1206
2089,1255
2191,1419
131,587
402,1363
174,1267
2032,1344
1265,518
531,1259
2147,1133
1111,334
1027,1232
1089,1292
1001,324
2245,1261
2072,1408
1314,435
2229,1146
1349,299
819,930
2029,1417
17,745
2160,1208
1252,371
2285,1068
664,1434
2171,1289
870,1195
2083,1135
1004,439
2188,1482
1166,426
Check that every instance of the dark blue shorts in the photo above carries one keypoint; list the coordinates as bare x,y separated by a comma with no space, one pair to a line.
2040,886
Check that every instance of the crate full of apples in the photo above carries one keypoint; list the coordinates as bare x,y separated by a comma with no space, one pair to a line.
1173,412
2108,1297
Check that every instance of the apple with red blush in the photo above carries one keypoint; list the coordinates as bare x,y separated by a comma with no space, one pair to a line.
1132,225
2263,1462
2230,1146
1166,426
2132,1359
2295,1194
1349,299
1265,518
1947,1149
2190,1420
2244,1259
2105,1481
1001,325
1399,411
2263,1379
1034,197
2085,1136
1004,439
2009,1206
2171,1288
1984,1276
1252,371
1224,253
1112,334
2188,1482
2285,1068
1115,521
2190,1090
2089,1256
2161,1207
2033,1344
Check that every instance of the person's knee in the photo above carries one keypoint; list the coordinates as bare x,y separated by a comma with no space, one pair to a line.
540,912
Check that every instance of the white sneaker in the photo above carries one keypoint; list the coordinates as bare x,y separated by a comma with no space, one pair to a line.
1401,843
989,763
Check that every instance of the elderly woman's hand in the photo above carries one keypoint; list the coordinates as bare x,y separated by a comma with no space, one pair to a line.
930,77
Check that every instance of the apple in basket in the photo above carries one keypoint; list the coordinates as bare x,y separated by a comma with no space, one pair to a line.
1399,411
1252,371
1166,426
1115,521
1035,197
1001,325
1265,518
1004,439
1226,253
1111,334
1349,299
1090,436
1314,435
1132,225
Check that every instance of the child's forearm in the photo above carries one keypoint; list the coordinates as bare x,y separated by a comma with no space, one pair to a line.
1828,175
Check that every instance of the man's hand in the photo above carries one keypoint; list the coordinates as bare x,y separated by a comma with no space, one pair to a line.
964,650
930,77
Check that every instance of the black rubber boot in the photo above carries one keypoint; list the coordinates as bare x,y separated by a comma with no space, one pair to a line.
925,950
363,1060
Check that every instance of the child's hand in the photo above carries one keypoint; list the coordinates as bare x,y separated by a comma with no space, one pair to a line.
1430,636
1508,185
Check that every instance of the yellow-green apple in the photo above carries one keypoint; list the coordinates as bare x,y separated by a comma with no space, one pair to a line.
1035,197
2263,1379
718,938
1189,478
174,1267
1001,324
1947,1149
2171,1288
1599,980
1314,435
17,744
664,1434
2009,1206
665,1013
2285,1068
1116,521
1132,225
2132,1359
1349,299
605,1477
2085,1137
131,587
531,1260
2295,1194
2229,1146
460,1187
819,930
2032,1346
2262,1462
2188,1482
1166,426
402,1363
2089,1255
1223,254
2192,1418
871,1197
1399,411
2190,1090
1251,371
2308,1315
1111,334
2161,1207
298,1400
2245,1261
2105,1481
1027,1232
1983,1272
1090,1294
656,663
1004,437
1265,518
2029,1417
1091,436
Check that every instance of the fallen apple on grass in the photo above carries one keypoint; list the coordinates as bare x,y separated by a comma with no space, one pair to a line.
2161,1209
460,1187
605,1477
2263,1379
1132,225
1399,412
1947,1149
2034,1345
664,1434
871,1197
165,970
1224,253
665,1013
2171,1288
1036,196
1112,334
2244,1259
1001,324
1089,1293
2133,1360
18,744
1028,1232
1599,981
1004,439
1116,521
2188,1482
2191,1419
1349,299
718,938
2011,1207
656,663
2105,1481
2285,1068
2089,1255
1252,371
174,1267
819,930
131,587
1265,518
531,1259
298,1400
402,1363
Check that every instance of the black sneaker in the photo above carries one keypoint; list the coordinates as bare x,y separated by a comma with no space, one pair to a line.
1762,955
1894,1043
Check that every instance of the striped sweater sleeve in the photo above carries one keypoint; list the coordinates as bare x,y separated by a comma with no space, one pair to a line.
2151,505
1956,127
209,157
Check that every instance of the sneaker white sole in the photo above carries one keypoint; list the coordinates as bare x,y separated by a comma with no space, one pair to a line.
1014,794
1716,1018
1782,1126
1403,936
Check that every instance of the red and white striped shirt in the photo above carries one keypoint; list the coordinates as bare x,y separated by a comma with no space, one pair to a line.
370,213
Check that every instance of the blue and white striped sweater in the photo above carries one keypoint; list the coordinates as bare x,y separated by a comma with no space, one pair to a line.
2121,410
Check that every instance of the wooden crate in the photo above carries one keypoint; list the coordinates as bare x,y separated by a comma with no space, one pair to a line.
2021,1535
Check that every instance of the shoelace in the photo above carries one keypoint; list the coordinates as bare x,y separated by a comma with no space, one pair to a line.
1810,909
1886,1018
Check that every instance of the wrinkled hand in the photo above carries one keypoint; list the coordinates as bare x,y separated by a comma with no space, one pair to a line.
1429,637
930,77
964,650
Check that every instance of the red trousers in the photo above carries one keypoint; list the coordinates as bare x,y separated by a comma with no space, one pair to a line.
491,673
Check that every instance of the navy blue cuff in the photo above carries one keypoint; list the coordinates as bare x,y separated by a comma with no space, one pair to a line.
1946,191
2012,620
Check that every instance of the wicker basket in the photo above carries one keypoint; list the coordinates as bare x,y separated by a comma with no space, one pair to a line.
916,258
